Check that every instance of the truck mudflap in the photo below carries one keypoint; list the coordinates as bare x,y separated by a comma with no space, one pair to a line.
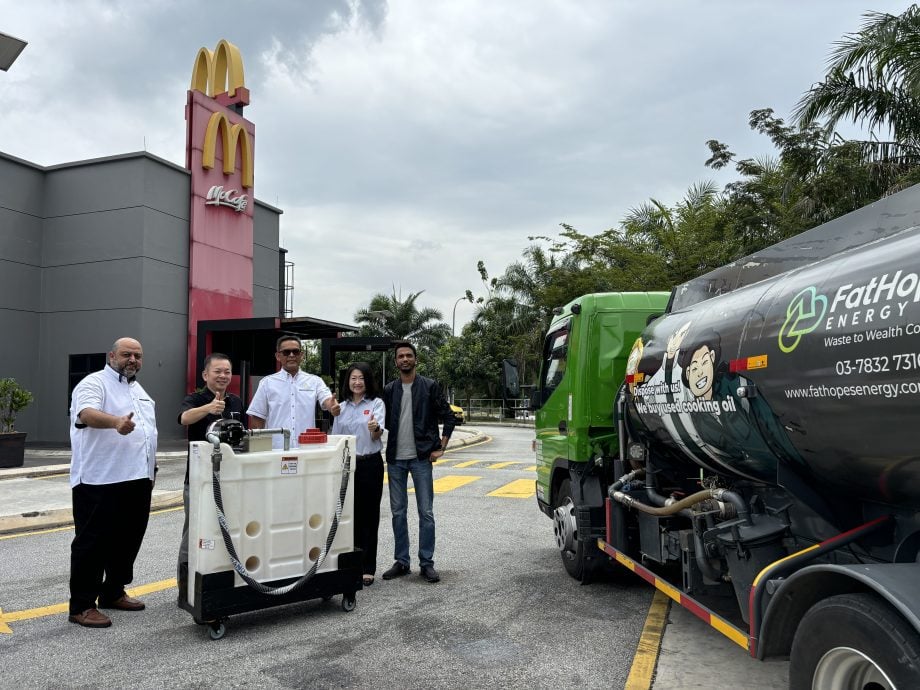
898,584
771,580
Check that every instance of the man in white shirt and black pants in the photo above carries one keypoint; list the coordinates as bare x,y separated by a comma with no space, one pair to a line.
113,437
287,399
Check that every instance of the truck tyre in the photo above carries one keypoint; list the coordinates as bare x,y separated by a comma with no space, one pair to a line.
854,641
565,529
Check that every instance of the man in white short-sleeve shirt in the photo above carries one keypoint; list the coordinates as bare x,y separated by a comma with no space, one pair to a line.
287,399
113,437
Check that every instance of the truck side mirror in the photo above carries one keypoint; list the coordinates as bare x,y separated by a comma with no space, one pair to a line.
536,400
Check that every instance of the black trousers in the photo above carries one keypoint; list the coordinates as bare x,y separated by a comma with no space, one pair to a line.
368,492
109,522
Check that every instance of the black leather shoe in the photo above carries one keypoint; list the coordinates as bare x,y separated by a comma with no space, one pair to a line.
398,570
430,574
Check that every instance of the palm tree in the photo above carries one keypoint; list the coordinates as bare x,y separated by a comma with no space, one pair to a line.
873,80
401,319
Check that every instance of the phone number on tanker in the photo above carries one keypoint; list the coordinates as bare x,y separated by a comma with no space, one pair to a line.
909,361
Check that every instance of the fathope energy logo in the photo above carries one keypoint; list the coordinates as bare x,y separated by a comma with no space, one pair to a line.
803,315
870,304
877,299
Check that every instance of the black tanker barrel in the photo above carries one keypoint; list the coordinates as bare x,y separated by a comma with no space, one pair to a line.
814,373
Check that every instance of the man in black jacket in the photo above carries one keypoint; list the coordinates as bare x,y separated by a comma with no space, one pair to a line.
414,406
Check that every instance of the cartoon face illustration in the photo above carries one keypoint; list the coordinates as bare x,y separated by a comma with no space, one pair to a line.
700,374
700,360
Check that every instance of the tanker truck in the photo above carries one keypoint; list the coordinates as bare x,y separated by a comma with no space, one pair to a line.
749,444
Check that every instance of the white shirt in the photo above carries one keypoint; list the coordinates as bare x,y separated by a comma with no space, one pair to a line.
352,421
289,402
103,456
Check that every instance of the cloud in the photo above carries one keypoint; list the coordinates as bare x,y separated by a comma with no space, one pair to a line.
406,141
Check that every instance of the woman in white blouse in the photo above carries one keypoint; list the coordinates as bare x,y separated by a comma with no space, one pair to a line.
363,415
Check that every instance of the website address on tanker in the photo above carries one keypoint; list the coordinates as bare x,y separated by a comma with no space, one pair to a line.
886,390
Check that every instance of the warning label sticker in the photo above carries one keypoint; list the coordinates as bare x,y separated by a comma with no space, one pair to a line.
289,465
206,544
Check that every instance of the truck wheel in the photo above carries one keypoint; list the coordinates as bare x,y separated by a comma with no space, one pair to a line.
566,531
854,641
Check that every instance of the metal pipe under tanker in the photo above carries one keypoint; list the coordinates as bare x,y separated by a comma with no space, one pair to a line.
809,380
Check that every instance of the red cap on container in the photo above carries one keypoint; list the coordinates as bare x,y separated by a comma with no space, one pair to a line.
311,436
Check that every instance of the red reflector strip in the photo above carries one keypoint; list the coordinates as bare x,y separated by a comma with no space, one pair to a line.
746,363
739,637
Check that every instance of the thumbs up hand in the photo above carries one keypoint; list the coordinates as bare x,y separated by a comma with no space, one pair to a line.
218,404
124,425
373,425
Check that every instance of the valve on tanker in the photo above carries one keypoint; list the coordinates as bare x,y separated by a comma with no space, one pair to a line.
747,391
229,431
636,454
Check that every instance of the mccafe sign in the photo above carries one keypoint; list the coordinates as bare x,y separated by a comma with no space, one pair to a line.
218,196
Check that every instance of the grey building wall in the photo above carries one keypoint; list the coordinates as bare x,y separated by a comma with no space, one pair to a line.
21,195
115,263
266,291
93,251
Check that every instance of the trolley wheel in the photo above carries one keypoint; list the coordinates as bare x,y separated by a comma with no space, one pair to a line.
348,602
217,629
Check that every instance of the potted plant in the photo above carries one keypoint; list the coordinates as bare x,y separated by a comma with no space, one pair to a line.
13,399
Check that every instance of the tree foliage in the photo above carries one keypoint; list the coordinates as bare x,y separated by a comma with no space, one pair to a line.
813,175
391,316
873,80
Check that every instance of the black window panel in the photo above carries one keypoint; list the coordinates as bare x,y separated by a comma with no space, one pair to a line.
78,367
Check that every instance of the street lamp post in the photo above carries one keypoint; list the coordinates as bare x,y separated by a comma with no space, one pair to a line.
453,323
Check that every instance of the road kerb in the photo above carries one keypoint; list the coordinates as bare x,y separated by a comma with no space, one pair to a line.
63,517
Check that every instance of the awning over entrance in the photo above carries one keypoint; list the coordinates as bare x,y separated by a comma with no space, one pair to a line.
250,343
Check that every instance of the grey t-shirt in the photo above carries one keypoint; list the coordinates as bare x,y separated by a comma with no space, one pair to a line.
405,434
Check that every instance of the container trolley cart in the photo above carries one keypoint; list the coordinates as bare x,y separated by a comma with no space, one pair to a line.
269,527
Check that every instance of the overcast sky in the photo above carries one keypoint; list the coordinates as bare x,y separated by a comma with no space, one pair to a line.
406,140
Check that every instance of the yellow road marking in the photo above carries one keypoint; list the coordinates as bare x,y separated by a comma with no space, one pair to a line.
503,465
466,463
532,468
55,609
452,481
519,488
643,666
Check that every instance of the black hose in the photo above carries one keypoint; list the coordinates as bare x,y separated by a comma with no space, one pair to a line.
333,528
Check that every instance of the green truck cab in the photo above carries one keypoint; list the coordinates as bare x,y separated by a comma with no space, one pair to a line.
584,364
